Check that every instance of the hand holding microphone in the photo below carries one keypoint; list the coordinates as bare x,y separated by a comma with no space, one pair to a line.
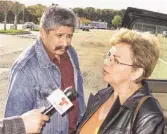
60,101
34,120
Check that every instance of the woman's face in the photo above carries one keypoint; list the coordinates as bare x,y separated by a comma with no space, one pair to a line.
118,66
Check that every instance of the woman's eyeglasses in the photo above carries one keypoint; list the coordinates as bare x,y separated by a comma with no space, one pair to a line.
108,58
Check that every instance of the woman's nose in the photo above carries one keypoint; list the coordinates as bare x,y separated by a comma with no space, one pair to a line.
109,60
112,59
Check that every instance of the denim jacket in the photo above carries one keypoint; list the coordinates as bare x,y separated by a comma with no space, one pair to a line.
33,77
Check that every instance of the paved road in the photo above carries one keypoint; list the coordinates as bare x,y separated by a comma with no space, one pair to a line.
10,48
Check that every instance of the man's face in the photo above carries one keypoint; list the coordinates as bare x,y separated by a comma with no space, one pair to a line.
57,40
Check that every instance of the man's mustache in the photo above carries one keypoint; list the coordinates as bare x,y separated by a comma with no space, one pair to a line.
61,47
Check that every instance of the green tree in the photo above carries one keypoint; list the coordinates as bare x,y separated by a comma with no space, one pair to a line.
120,13
79,11
5,6
85,21
105,15
36,11
90,13
16,9
98,14
117,21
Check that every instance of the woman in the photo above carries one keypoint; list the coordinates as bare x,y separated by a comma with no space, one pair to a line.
131,59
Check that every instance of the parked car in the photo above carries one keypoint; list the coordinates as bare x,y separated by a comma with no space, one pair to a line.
30,25
85,28
164,34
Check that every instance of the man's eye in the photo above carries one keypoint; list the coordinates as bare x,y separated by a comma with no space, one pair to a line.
59,35
69,36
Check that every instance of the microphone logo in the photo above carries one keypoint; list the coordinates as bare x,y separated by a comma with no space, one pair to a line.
60,101
63,102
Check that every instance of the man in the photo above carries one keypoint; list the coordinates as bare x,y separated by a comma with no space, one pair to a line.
49,64
30,122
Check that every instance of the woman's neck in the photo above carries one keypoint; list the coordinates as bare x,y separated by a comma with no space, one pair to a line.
125,91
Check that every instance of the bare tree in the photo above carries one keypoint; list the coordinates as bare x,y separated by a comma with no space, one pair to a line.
16,9
5,6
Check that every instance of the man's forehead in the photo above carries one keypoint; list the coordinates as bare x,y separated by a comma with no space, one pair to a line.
62,29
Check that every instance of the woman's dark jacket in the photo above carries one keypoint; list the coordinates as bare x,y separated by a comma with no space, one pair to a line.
149,120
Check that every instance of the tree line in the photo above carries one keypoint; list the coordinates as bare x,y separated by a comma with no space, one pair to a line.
112,17
16,12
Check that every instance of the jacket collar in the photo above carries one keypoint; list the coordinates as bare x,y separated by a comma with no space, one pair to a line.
42,56
104,94
135,97
99,98
130,102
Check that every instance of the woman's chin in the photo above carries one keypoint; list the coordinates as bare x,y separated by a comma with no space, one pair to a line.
105,79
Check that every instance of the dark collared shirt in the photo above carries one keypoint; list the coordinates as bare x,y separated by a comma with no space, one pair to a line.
67,80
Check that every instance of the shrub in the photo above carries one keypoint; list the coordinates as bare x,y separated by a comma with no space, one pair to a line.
14,32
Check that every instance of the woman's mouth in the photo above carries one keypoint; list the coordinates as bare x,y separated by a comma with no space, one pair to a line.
104,71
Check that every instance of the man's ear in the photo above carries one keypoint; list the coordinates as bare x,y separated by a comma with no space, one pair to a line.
137,73
43,34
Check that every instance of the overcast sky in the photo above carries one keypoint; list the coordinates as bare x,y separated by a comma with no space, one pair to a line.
153,5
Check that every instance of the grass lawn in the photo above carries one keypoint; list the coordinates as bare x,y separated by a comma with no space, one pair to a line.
96,42
14,32
160,71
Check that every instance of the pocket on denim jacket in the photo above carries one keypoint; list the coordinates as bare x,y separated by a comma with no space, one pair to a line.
42,93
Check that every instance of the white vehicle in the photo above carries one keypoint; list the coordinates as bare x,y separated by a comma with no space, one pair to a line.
30,25
164,34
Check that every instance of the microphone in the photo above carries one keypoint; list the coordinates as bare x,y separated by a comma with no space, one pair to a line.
69,92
